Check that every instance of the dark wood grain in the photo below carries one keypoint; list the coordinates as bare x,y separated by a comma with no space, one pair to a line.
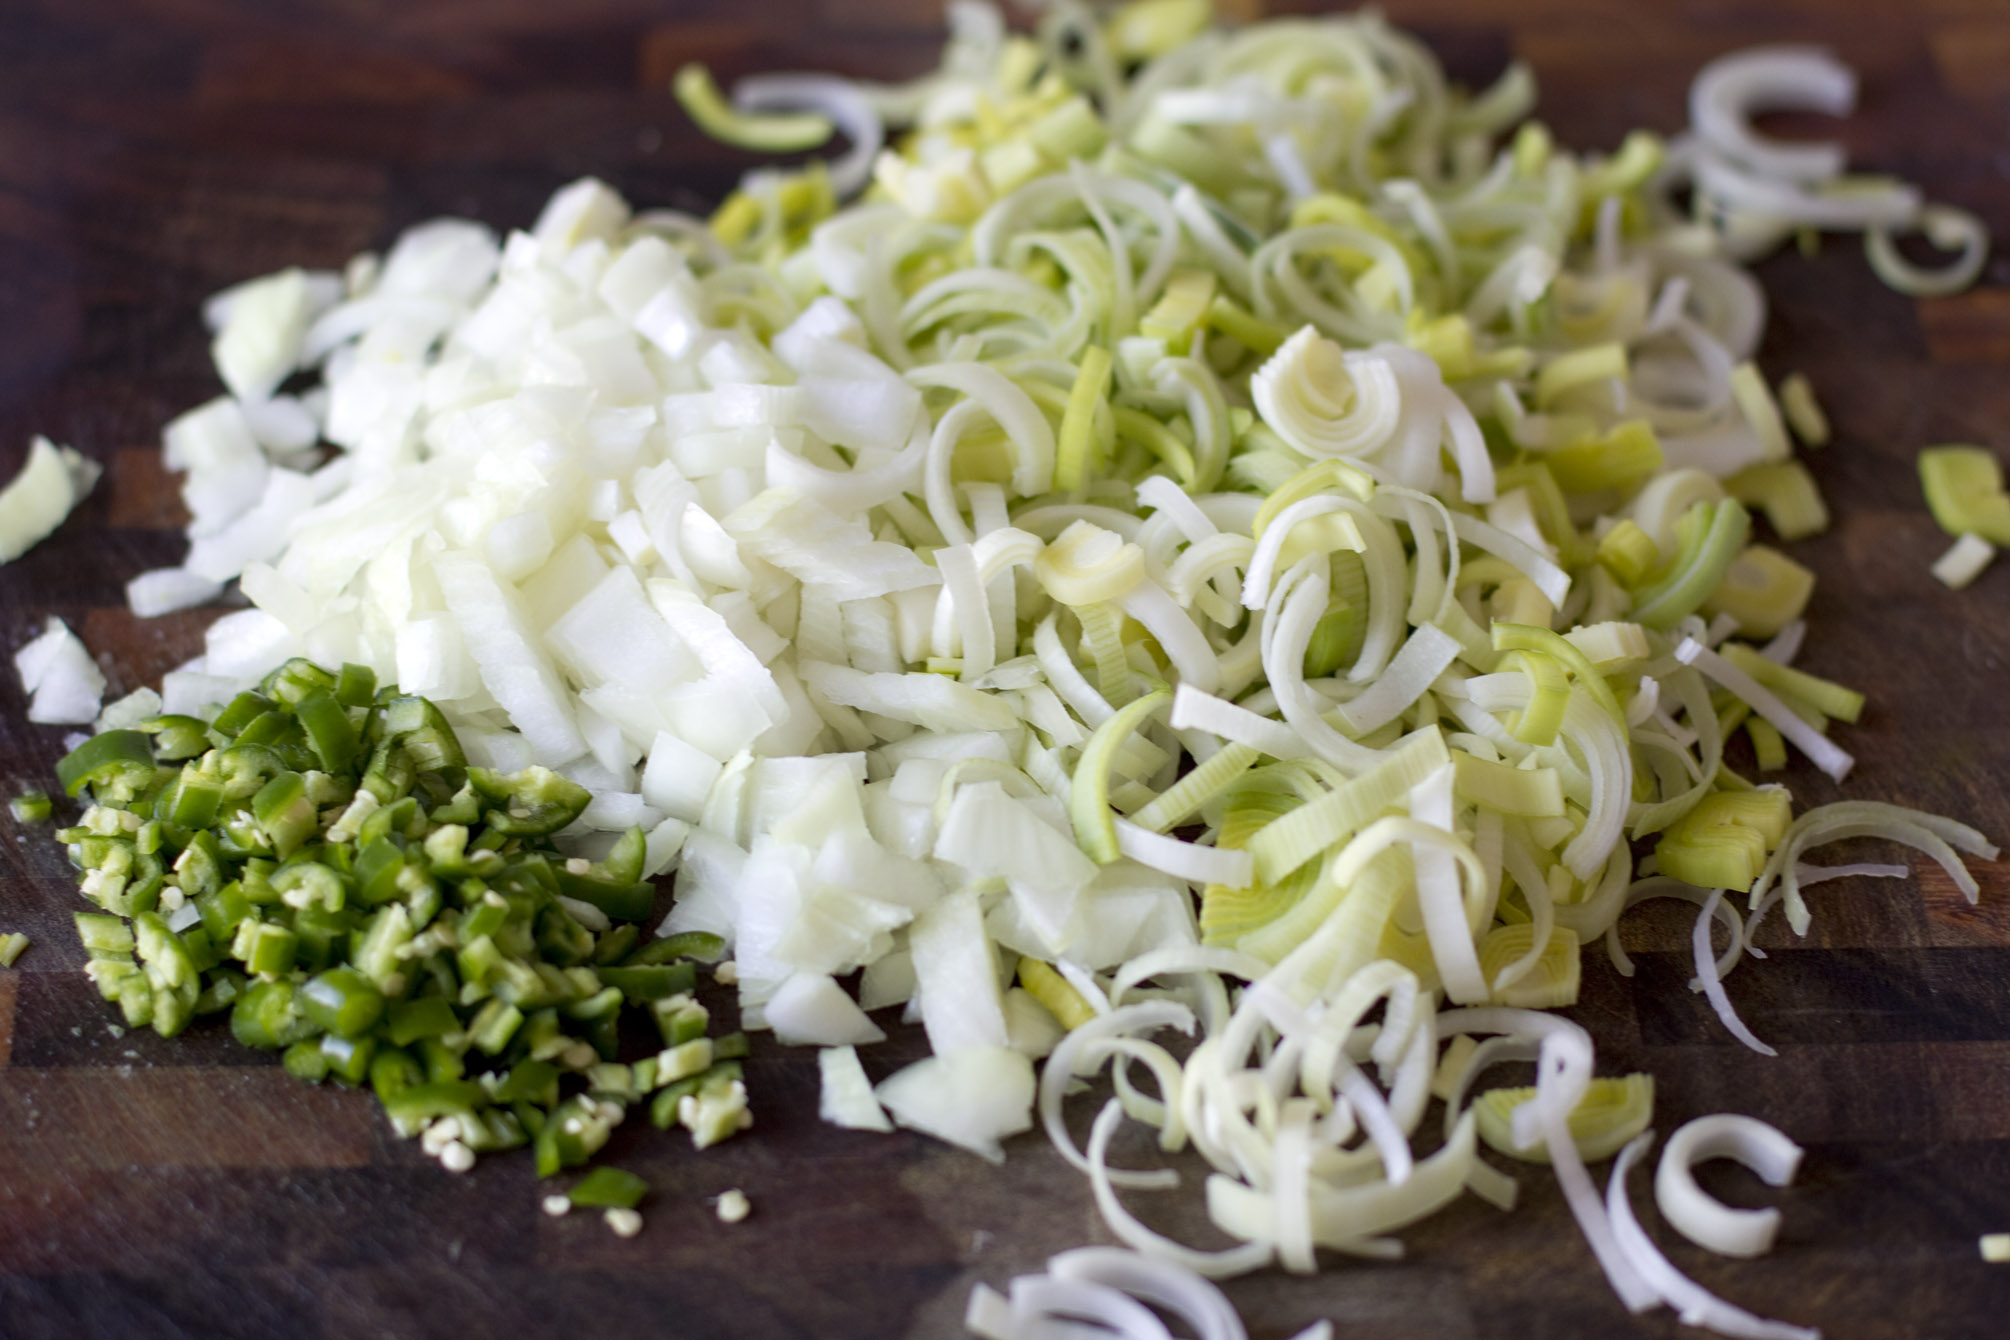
152,151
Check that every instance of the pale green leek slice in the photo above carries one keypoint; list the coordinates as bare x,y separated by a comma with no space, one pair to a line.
1767,744
1786,492
1824,696
1628,552
1505,789
1052,990
1319,825
1725,841
1181,309
1089,800
1088,565
1548,695
1549,982
1580,367
1201,784
1624,456
1525,638
1964,490
1078,451
1803,412
767,132
1710,537
1610,1114
1763,590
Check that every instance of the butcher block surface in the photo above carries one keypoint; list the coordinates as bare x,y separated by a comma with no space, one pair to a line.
154,151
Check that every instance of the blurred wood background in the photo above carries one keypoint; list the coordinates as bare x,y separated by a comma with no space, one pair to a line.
153,151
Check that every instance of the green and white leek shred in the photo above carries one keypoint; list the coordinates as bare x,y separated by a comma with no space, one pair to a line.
1223,531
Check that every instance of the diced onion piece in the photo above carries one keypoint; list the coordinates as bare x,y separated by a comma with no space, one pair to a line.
973,1097
1964,561
846,1096
65,683
164,590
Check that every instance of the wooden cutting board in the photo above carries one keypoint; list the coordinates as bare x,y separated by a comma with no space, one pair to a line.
153,151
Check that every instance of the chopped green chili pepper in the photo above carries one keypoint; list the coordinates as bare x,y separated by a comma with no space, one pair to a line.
342,1001
318,829
608,1188
355,685
32,807
107,760
268,1015
531,803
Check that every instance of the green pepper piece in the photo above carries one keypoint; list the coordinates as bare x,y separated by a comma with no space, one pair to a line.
177,737
255,878
103,934
621,902
202,950
295,680
477,958
608,1188
377,869
267,728
530,803
388,821
320,936
700,945
199,869
651,982
240,712
443,1063
427,1017
143,888
680,1021
604,1033
305,884
483,919
284,812
109,761
624,862
263,947
221,992
243,769
392,1071
494,1025
194,799
663,1107
268,1015
422,729
305,1060
342,1001
390,773
329,733
615,943
531,1081
420,1103
355,685
31,807
348,1058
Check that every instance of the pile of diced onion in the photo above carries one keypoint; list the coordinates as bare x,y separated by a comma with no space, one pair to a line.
1228,537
